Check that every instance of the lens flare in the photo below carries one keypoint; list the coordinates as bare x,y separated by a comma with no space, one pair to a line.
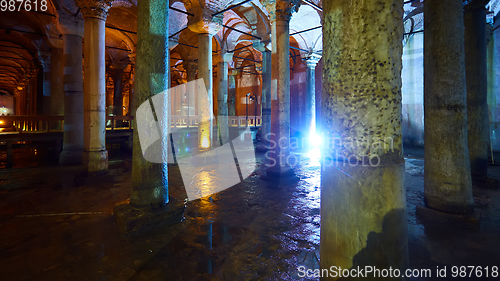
315,140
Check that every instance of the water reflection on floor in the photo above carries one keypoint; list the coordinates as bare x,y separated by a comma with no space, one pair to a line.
54,227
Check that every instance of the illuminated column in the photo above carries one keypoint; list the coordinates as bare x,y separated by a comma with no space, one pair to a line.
206,29
222,77
150,180
95,155
447,178
477,89
190,65
131,82
72,29
310,112
280,87
363,204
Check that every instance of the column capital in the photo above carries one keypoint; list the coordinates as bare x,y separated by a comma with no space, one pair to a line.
204,22
261,46
132,57
69,24
119,65
475,4
44,57
94,8
281,10
312,60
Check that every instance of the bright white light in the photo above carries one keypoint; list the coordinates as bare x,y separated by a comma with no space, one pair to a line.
315,140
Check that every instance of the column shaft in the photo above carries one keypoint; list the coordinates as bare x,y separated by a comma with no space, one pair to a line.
266,96
47,82
205,104
222,120
310,110
56,87
477,90
280,104
447,178
73,101
117,92
363,206
232,95
150,180
95,157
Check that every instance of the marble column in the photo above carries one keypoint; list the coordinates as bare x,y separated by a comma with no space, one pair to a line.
231,99
447,178
150,180
204,104
280,90
310,110
266,91
222,93
363,204
95,155
72,29
477,88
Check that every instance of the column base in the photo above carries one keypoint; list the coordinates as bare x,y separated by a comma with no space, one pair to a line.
70,157
472,220
95,162
132,221
280,175
440,203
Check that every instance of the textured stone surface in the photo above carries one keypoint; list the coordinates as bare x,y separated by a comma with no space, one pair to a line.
73,100
363,205
477,90
150,180
447,168
94,98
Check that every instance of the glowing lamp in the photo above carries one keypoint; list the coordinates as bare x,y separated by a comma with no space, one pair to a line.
204,142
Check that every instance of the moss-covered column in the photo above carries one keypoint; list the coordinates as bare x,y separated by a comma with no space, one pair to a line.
447,178
72,29
95,155
477,88
279,153
150,180
363,206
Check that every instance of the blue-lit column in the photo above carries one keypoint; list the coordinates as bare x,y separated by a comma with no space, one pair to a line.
310,112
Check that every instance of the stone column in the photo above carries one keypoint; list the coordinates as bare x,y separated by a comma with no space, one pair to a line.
117,107
280,90
477,88
310,112
447,178
266,92
363,204
47,78
95,155
148,208
222,77
206,27
56,82
72,29
231,99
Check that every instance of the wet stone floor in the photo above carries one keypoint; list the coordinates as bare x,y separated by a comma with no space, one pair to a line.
56,226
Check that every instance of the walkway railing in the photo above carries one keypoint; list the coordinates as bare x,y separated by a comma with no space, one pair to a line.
46,123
